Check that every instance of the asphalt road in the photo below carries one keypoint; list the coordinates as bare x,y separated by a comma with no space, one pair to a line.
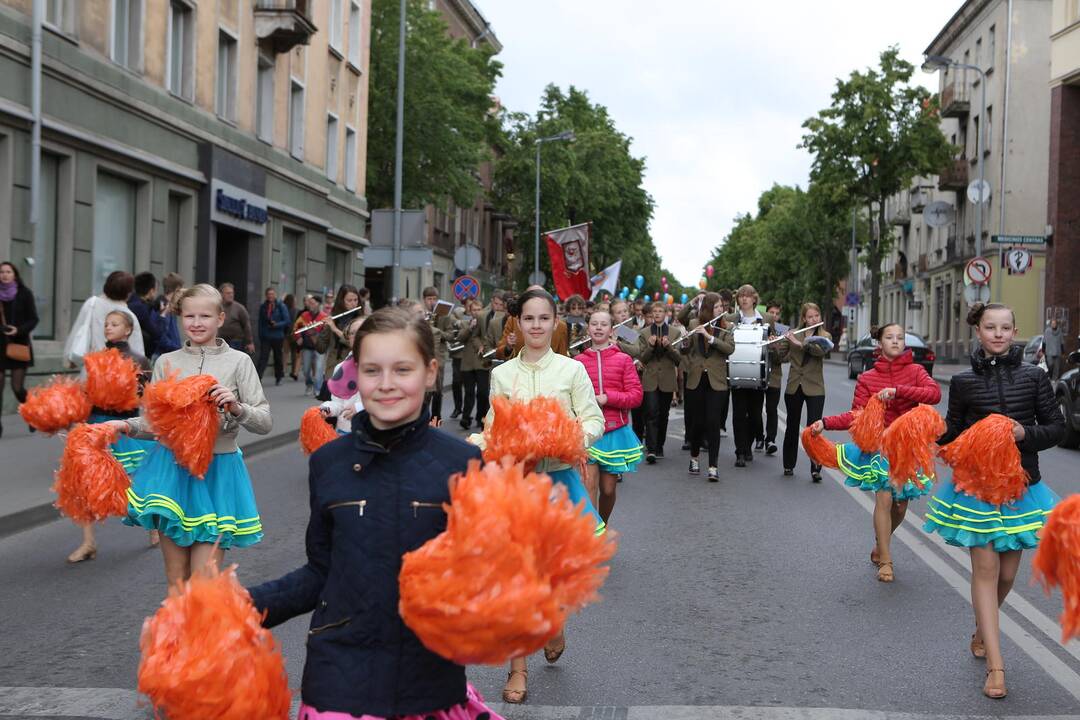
750,598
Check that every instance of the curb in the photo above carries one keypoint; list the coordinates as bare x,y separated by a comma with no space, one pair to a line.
32,517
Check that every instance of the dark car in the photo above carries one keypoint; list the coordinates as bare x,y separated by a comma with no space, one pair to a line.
1068,396
861,357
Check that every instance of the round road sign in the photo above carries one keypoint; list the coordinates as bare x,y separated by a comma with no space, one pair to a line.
466,287
537,277
467,258
978,271
1019,260
977,293
978,191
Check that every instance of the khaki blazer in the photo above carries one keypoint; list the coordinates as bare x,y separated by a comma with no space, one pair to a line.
475,338
660,364
806,366
712,363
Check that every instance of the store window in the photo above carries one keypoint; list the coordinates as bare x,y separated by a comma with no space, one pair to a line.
291,242
43,273
114,228
338,271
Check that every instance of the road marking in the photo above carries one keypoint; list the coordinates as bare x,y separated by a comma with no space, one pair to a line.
1032,646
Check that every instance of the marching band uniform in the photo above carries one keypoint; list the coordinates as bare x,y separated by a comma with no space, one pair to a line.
658,381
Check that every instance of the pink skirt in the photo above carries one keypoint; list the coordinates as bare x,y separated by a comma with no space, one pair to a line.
473,709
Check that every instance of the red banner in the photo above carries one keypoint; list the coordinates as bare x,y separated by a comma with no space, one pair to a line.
569,252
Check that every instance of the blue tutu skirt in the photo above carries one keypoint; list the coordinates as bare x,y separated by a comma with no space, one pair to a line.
870,472
618,451
220,508
575,489
128,451
965,521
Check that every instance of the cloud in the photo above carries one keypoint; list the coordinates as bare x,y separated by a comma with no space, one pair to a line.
713,92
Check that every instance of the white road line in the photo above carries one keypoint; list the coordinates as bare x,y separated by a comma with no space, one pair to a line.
1035,648
97,703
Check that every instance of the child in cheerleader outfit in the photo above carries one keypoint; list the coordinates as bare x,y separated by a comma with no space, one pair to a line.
618,391
128,451
376,495
902,384
344,400
538,371
198,519
996,535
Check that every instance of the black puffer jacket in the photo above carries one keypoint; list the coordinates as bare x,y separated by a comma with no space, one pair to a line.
1008,386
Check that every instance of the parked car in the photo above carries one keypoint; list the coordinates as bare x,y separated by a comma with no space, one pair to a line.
1033,351
861,357
1068,396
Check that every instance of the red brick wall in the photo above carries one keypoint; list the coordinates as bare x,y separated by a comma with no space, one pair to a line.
1063,211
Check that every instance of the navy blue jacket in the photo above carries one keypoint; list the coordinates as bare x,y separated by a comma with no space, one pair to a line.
369,506
150,322
279,314
170,335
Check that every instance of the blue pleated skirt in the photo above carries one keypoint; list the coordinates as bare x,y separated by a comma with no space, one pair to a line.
128,451
220,508
575,489
618,451
870,472
965,521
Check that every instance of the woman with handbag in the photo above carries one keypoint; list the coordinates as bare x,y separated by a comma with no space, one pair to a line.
18,317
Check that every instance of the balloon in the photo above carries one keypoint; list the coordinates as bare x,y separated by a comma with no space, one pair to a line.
625,289
670,299
685,298
702,283
639,282
709,270
663,279
656,296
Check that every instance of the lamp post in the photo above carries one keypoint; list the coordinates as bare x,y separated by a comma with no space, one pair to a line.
933,64
399,152
564,135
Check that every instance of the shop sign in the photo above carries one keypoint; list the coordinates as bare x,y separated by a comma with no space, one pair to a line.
237,208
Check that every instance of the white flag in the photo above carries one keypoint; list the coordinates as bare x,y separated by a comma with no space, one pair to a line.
607,279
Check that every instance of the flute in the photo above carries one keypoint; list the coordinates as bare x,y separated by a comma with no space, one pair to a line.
317,323
581,342
794,332
687,336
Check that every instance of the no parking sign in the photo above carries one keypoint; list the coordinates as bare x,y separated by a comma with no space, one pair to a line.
466,287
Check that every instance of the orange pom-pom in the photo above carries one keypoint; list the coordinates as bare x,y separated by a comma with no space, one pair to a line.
56,406
206,656
986,461
511,565
529,430
820,449
112,380
185,419
315,431
90,484
1057,562
869,425
909,444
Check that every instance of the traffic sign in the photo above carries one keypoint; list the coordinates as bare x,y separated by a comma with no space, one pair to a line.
978,271
537,277
466,287
1018,239
852,299
938,214
1018,260
978,191
977,293
467,258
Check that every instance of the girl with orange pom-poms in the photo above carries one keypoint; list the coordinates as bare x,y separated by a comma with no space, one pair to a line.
538,371
901,384
200,517
375,496
106,376
999,382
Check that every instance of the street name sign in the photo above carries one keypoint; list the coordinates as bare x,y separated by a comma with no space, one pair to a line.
1018,239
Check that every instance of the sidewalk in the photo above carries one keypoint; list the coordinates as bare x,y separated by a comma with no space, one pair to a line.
29,459
943,372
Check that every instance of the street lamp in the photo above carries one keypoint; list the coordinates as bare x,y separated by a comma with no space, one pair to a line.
564,135
933,64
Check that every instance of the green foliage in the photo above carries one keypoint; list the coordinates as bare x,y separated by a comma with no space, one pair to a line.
449,126
595,178
878,134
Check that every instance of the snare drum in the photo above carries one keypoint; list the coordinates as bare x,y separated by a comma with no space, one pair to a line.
748,366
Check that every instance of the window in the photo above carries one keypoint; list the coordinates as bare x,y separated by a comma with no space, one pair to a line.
978,53
43,273
332,147
264,110
226,76
991,47
975,130
180,71
173,234
127,33
337,267
989,139
296,120
335,21
290,246
114,228
60,14
355,35
350,159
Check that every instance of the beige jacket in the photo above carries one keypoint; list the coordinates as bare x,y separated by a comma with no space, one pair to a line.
234,370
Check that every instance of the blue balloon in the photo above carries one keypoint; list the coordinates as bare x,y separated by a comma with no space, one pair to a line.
685,297
639,282
625,289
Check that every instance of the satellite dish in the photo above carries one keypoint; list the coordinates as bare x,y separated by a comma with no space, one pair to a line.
938,214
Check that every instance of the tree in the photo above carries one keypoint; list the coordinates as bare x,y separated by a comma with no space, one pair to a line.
449,125
877,135
595,178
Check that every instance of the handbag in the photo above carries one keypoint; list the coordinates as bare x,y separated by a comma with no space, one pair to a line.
19,352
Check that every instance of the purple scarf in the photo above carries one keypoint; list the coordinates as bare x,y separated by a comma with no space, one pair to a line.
8,291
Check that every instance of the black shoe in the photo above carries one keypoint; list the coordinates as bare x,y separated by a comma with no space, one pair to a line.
277,382
770,448
788,472
659,454
455,415
294,377
695,467
759,445
685,446
749,457
739,462
650,458
815,477
465,423
714,475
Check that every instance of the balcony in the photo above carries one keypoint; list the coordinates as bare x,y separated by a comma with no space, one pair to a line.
954,176
281,25
956,98
898,210
923,264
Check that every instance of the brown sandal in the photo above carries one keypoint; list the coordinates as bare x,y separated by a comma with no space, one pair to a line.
875,557
516,697
83,552
552,655
885,572
978,648
995,692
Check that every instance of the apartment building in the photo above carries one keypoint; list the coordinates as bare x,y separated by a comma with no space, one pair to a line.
221,139
1009,41
1063,210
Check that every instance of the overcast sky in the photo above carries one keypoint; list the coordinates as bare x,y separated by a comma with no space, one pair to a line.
713,92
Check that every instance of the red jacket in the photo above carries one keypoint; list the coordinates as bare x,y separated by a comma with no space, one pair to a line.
612,372
913,386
